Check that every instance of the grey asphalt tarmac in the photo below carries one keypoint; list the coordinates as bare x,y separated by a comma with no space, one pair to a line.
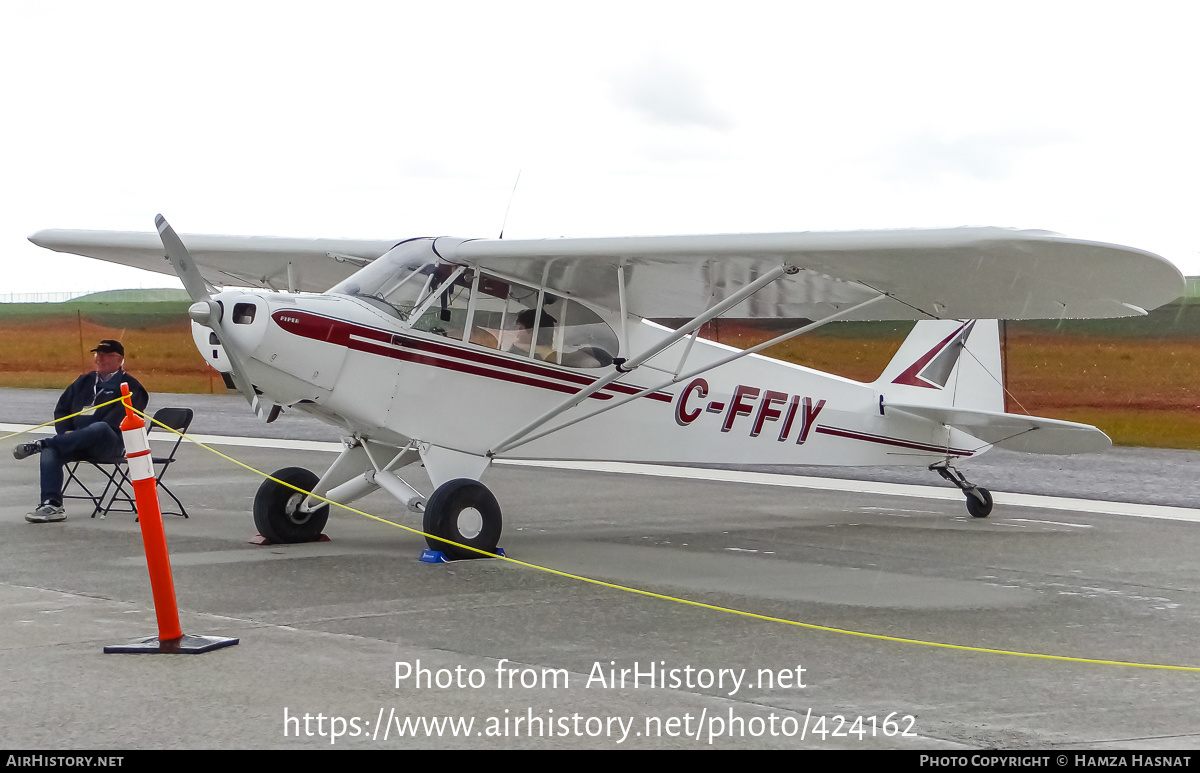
323,625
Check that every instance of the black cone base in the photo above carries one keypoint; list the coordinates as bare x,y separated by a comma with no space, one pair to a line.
188,644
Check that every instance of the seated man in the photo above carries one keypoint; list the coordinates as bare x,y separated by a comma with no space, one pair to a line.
95,435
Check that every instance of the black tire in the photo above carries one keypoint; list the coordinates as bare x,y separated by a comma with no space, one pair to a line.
466,512
277,508
976,508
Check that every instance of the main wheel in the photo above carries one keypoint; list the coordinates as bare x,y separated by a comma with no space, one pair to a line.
277,512
463,511
976,508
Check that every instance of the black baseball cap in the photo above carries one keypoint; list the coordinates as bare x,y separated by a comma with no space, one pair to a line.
109,346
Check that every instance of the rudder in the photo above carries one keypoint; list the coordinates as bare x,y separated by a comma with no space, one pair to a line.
947,363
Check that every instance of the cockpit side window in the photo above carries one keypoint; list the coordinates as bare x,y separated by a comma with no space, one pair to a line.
504,314
507,314
587,340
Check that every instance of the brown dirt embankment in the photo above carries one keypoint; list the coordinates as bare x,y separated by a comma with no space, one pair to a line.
49,344
1137,379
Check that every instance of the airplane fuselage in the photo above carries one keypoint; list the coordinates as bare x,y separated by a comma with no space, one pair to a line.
358,367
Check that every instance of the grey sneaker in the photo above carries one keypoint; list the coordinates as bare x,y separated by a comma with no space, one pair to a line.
27,449
47,512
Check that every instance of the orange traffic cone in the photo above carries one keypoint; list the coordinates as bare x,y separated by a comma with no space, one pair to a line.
171,638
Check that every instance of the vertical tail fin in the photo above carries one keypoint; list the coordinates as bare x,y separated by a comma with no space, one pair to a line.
948,363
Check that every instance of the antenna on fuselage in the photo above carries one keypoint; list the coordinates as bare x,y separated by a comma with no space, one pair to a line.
511,196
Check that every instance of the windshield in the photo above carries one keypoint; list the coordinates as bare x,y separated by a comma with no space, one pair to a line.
397,281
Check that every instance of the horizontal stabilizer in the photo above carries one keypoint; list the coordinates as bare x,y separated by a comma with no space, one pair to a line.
1014,432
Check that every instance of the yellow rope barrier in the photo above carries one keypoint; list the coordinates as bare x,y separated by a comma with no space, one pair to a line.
663,596
64,418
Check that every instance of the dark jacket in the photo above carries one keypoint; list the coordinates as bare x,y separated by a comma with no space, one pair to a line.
86,391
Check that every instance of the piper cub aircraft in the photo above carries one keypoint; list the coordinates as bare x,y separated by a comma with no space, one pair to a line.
454,352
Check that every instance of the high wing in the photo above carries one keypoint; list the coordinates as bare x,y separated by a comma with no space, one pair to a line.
242,261
990,273
960,273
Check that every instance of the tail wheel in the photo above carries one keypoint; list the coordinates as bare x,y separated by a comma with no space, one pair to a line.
466,512
977,508
277,508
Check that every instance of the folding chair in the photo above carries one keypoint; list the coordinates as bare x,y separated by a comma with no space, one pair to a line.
106,467
117,471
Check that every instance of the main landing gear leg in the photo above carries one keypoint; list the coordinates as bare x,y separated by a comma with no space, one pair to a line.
979,499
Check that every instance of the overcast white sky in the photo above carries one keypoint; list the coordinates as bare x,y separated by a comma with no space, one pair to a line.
374,119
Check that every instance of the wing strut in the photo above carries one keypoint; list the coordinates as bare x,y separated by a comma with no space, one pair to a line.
623,368
624,309
677,378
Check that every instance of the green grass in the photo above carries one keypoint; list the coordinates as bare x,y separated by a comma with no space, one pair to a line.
1145,428
1178,319
119,315
139,296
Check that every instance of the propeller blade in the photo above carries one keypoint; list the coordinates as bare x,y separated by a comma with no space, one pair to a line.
181,261
185,268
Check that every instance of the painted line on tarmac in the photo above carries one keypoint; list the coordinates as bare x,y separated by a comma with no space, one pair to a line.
217,440
1162,512
870,487
690,602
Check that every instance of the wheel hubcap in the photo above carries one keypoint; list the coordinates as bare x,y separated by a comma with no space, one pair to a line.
470,523
293,511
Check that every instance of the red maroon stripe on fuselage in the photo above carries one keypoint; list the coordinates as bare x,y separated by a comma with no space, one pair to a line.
461,367
335,331
525,367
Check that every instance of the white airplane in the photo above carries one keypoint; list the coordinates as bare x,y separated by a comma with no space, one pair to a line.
454,352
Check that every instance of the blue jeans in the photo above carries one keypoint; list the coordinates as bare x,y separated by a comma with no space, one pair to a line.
97,442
